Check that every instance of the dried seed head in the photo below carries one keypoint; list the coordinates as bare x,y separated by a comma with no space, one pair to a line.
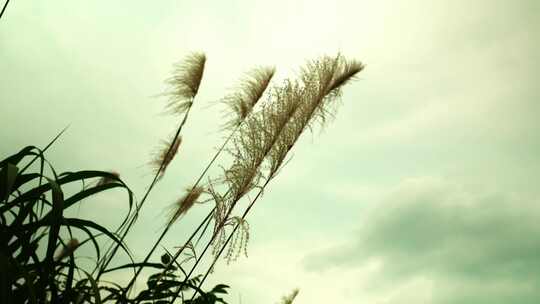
239,240
164,156
345,72
185,82
269,134
322,80
249,92
186,202
273,131
257,136
68,249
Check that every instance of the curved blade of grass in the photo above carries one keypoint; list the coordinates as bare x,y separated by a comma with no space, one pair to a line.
66,178
45,149
17,157
131,265
85,223
8,174
55,222
94,286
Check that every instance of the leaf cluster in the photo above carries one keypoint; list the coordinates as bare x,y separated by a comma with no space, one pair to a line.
44,252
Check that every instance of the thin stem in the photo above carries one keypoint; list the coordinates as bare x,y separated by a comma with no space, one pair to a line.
222,224
215,157
4,9
177,254
270,177
229,238
139,206
167,227
203,232
157,243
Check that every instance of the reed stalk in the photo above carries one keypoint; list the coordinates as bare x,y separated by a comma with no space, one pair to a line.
321,83
184,86
242,103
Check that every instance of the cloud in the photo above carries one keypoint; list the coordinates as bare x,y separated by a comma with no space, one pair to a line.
459,245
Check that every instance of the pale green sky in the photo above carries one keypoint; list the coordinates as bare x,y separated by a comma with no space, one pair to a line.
423,190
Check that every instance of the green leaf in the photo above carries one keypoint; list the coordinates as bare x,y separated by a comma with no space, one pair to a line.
132,265
8,175
55,221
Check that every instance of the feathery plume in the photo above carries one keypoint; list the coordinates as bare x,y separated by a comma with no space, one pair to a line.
185,82
185,203
251,145
322,80
270,133
239,240
256,138
248,93
165,155
346,72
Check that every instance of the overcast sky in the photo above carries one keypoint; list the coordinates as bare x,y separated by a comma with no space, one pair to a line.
424,189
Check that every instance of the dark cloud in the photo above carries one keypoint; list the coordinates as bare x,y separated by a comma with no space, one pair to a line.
473,248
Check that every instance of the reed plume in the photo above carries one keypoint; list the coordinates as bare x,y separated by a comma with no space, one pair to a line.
241,101
272,133
266,137
184,83
250,90
256,138
185,203
164,156
239,240
321,84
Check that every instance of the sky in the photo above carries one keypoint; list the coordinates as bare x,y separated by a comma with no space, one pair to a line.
423,189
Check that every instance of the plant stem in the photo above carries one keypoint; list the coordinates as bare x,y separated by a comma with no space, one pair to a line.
4,8
229,238
167,227
132,281
139,206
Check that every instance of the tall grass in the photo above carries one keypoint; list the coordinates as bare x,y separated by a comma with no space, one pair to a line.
40,255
